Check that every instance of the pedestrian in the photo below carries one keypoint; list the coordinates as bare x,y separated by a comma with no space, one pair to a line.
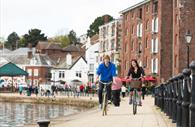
20,89
106,71
116,89
36,91
124,89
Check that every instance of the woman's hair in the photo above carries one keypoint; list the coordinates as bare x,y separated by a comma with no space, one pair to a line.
131,67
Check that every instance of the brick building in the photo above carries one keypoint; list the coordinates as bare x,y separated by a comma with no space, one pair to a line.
147,36
183,20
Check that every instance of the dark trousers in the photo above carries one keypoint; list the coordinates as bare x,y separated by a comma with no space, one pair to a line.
100,91
116,97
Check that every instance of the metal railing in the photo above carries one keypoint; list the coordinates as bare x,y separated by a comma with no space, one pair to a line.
176,97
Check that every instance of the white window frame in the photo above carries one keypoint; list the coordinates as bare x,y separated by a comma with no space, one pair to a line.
155,25
139,30
154,45
154,65
36,72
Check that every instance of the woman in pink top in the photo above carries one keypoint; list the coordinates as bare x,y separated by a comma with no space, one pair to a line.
116,89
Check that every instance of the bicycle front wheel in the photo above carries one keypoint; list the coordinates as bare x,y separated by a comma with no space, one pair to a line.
134,103
104,106
134,108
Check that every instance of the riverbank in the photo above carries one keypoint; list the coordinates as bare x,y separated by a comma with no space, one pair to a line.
82,102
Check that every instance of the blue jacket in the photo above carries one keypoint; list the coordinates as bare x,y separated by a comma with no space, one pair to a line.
106,73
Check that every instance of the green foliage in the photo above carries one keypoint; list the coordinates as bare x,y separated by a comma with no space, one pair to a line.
12,41
63,39
94,27
72,37
22,42
33,36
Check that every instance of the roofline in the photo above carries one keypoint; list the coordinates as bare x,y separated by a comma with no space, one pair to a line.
134,6
77,61
113,21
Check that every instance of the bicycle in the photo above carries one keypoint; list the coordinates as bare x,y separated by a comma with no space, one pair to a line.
105,99
135,84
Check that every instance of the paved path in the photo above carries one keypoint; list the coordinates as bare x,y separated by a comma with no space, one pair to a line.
148,116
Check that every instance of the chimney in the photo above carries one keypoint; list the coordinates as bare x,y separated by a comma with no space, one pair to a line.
30,51
106,19
69,59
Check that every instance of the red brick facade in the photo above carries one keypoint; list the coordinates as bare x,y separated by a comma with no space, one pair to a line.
183,20
139,46
42,75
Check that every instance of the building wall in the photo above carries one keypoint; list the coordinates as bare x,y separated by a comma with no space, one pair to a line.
184,19
139,46
39,74
70,74
110,37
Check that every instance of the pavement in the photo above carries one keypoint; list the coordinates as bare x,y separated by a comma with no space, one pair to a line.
148,116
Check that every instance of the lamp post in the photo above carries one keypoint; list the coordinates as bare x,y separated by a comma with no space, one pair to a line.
188,38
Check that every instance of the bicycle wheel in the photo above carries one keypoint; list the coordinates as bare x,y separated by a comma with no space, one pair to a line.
134,103
104,106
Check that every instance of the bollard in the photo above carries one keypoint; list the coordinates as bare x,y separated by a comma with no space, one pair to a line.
174,100
192,104
43,123
179,100
186,98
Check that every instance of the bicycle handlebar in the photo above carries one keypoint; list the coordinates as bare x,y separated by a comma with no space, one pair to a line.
106,83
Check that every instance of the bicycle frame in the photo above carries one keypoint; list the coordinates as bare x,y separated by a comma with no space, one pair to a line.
135,95
105,99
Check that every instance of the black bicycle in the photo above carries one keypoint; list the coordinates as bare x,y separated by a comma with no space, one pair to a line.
135,84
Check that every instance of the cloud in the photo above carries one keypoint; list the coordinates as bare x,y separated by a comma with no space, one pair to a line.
52,16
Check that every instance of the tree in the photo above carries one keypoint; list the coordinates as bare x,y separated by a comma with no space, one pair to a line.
63,39
33,37
12,41
94,27
72,37
22,42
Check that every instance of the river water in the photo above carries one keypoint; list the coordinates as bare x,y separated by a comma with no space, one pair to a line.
19,114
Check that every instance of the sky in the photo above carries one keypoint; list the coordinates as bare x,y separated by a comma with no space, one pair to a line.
55,17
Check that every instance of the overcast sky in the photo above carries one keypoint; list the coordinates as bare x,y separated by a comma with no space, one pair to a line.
56,17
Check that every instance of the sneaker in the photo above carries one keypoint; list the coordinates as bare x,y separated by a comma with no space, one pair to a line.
140,103
109,102
100,106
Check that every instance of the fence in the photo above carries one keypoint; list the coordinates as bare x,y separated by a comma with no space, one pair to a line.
176,97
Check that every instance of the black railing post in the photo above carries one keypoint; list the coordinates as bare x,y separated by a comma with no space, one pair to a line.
166,99
170,99
155,95
162,97
186,97
179,90
174,100
192,104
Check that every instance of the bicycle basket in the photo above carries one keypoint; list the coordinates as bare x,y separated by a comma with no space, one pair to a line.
136,84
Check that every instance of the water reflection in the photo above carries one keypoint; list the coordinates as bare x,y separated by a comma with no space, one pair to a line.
18,114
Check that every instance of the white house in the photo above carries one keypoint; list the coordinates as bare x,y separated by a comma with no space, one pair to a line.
110,40
72,70
91,56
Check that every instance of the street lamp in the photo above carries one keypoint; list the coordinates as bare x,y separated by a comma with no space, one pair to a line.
188,38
